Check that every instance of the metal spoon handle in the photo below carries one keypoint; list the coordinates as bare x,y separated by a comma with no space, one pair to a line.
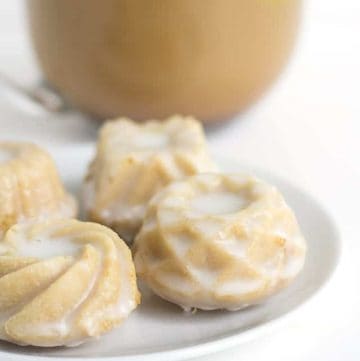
40,96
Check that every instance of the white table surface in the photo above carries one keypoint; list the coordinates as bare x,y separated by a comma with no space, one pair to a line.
305,129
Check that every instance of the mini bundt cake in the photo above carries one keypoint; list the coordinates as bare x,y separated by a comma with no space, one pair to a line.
63,282
30,187
217,241
134,161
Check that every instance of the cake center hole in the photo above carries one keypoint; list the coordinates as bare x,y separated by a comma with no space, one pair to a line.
219,203
151,140
46,247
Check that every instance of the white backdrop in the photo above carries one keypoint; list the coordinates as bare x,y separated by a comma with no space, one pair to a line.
305,129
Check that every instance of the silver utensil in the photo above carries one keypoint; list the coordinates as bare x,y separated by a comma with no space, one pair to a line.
38,95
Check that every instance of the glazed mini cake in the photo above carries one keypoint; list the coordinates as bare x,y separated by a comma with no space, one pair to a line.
63,282
218,242
30,187
134,161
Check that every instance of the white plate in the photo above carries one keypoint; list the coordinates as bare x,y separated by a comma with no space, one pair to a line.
158,330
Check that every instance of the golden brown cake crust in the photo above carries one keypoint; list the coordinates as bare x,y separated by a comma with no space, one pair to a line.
218,241
133,161
30,187
63,282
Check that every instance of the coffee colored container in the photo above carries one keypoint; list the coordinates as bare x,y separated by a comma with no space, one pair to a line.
152,58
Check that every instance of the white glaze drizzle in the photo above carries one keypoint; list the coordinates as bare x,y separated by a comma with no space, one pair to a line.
217,203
